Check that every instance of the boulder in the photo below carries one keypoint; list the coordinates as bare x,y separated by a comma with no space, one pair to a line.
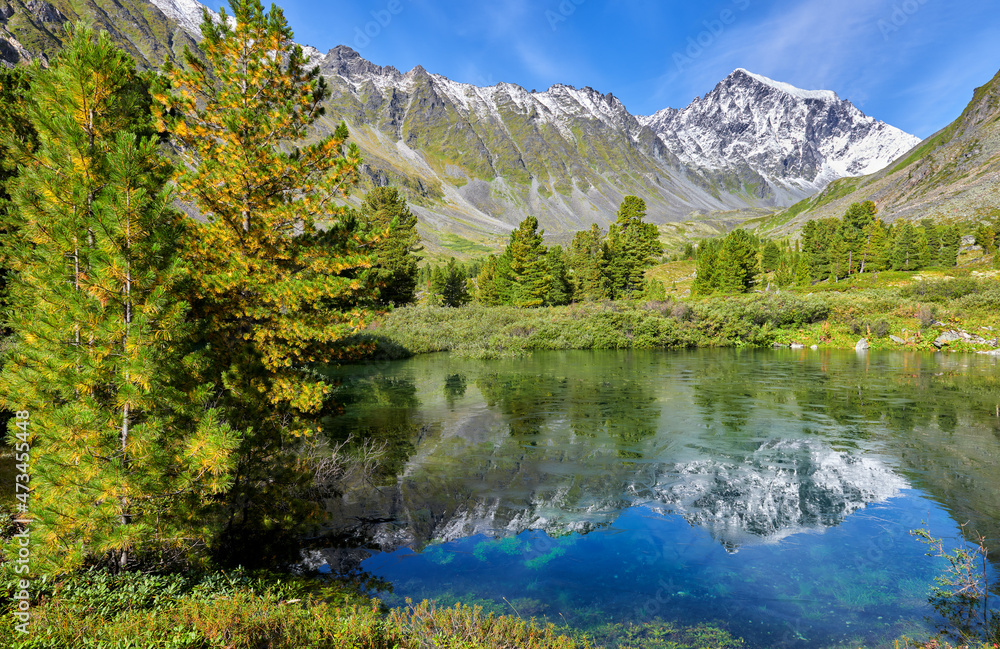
897,340
995,352
946,337
814,347
780,346
798,346
862,345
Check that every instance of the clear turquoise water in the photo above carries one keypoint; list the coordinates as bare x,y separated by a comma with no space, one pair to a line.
770,493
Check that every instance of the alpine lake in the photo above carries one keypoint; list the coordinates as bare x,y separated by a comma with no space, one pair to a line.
770,494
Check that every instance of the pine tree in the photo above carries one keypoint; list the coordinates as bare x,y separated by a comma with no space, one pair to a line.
632,244
588,261
770,257
737,263
785,274
857,220
449,283
922,249
951,242
802,275
385,212
986,237
528,265
123,457
904,247
273,292
560,288
14,124
707,275
933,234
488,289
839,255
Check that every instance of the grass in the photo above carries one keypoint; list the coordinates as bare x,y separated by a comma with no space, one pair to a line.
464,246
239,610
244,610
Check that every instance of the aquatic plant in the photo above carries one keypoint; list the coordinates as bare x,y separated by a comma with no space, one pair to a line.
962,594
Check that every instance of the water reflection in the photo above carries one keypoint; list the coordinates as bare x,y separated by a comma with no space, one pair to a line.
802,462
783,488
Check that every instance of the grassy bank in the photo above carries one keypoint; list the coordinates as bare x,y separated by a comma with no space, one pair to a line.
915,309
239,610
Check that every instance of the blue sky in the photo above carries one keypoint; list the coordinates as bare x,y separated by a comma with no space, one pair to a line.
912,63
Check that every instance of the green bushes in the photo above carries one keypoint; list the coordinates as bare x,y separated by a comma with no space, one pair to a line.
491,332
943,290
986,299
755,320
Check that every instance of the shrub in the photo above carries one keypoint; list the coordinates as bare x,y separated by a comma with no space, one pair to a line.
942,290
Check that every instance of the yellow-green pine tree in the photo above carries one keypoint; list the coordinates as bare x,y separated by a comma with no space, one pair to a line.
119,453
279,267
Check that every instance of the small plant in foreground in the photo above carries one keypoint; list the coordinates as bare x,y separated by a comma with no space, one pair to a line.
962,595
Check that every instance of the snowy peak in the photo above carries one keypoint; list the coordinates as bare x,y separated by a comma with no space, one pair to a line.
797,140
186,13
788,89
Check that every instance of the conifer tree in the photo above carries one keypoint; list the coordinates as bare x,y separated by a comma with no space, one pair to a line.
385,212
707,275
488,289
632,244
273,292
839,255
14,125
986,236
449,283
528,265
933,236
785,274
737,263
560,288
770,257
802,275
904,247
857,219
123,456
922,248
588,261
951,242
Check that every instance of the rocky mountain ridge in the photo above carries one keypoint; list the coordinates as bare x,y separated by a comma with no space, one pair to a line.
798,140
35,29
486,157
474,161
953,176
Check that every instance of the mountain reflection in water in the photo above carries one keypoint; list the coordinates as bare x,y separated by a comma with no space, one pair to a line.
813,466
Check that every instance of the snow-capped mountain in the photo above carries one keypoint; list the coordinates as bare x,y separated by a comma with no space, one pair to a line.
799,140
484,158
186,13
568,155
474,161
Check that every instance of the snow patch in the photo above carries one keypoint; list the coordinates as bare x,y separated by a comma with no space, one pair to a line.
187,14
799,93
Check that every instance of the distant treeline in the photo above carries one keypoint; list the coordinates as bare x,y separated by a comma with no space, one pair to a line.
528,273
830,249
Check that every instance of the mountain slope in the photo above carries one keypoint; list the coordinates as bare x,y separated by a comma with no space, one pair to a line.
490,156
798,140
32,29
953,175
475,161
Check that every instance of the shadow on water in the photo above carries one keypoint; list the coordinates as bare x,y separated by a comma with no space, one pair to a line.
771,493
